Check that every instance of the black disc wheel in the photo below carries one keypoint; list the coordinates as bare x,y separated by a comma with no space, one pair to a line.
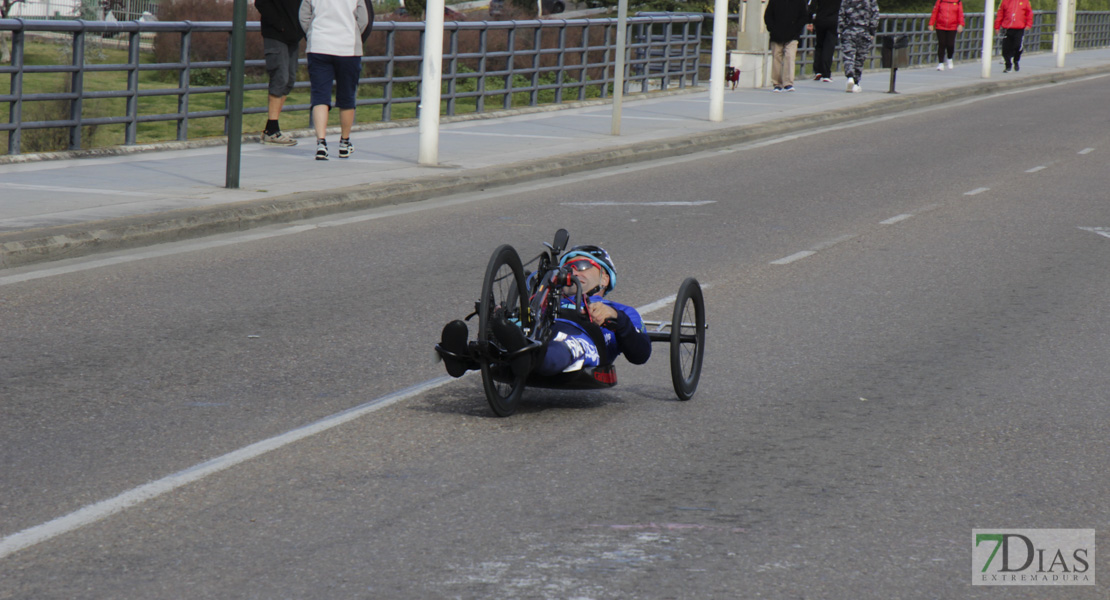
687,339
503,288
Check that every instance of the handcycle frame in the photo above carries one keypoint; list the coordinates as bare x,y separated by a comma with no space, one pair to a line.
534,301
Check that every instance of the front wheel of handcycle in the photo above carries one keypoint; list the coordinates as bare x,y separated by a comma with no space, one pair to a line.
503,287
687,338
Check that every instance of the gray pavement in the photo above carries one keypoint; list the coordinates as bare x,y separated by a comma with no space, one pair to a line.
71,206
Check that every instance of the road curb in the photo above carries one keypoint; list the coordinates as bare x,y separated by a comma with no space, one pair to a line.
39,245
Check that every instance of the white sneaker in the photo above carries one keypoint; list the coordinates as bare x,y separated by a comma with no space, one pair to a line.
851,84
948,63
940,67
278,139
856,89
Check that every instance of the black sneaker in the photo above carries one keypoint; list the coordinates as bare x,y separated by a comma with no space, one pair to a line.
345,148
1017,65
453,340
512,339
321,150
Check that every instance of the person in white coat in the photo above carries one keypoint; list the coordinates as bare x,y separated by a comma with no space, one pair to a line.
335,31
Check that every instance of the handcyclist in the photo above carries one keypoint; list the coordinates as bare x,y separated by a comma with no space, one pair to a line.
577,341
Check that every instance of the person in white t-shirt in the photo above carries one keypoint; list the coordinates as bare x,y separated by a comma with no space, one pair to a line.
335,30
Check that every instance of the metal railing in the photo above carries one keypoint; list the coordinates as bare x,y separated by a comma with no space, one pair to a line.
495,64
1092,30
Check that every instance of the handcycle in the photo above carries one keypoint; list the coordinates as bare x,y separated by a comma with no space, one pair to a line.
534,300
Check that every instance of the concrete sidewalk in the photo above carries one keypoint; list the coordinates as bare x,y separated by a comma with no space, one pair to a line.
62,208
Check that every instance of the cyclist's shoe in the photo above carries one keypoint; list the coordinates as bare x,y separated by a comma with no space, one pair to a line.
453,340
511,339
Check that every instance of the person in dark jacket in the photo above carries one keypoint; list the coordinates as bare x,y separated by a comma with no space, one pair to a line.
823,15
281,40
785,20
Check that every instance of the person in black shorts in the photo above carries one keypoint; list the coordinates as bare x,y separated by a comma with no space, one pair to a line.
334,29
281,40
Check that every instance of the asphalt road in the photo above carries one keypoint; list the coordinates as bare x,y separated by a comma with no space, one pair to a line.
908,340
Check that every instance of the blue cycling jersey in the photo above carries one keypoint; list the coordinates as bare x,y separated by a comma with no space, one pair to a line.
571,348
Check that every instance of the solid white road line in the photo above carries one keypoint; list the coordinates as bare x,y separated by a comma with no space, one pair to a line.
106,508
100,510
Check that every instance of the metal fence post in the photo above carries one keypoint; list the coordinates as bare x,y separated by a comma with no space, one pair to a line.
77,87
235,94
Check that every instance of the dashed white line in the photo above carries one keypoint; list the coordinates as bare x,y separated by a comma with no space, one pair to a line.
1086,151
793,257
895,219
976,191
1035,169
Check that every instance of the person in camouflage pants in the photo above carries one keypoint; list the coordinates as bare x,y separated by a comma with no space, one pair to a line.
856,26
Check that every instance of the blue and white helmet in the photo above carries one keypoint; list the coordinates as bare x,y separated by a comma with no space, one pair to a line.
596,254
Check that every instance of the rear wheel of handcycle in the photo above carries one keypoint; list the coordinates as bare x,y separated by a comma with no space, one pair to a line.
687,338
503,286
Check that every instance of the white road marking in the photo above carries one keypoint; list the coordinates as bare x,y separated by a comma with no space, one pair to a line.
793,257
976,191
1086,151
895,219
660,203
834,241
98,511
1035,169
105,508
1103,231
71,190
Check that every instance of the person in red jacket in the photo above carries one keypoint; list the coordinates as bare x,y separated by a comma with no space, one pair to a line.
947,21
1015,16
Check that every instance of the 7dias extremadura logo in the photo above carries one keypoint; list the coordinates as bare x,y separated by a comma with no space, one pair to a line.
1033,557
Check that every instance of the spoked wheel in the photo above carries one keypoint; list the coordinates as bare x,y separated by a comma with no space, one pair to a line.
687,339
503,287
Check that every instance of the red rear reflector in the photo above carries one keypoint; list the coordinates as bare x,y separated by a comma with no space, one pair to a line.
607,376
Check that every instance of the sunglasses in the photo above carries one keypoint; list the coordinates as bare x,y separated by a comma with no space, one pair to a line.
583,264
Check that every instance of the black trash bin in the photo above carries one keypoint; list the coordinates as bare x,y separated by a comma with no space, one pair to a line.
895,55
896,51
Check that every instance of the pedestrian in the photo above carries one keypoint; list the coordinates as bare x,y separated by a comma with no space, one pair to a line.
947,20
335,30
823,16
856,24
281,41
1015,16
785,20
